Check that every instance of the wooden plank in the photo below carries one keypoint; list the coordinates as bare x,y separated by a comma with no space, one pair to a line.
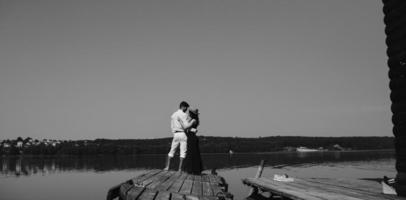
197,187
214,179
353,191
349,189
367,186
163,195
190,177
215,184
322,189
205,178
153,178
169,182
207,191
170,185
113,192
160,180
190,197
176,196
216,189
134,193
186,187
306,187
197,178
331,191
208,198
300,193
178,183
139,179
281,191
147,195
292,192
147,174
124,188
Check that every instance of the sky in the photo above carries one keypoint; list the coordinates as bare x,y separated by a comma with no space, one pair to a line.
118,69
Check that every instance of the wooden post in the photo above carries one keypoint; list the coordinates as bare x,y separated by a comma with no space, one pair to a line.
113,192
260,169
258,175
213,171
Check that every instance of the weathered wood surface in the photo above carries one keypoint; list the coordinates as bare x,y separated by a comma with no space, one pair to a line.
322,189
170,185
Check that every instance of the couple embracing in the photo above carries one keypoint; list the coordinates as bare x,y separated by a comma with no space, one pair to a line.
184,123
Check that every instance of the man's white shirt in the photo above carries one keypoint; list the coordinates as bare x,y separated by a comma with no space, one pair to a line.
176,119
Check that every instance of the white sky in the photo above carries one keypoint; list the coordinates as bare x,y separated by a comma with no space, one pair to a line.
118,69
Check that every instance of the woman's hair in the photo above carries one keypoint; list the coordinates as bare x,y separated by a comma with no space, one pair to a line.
195,117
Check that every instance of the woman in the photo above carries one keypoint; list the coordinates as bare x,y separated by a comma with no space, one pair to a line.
193,161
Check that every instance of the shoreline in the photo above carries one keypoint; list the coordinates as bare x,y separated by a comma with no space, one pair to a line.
239,153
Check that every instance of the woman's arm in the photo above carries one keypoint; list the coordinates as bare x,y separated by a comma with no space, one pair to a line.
186,124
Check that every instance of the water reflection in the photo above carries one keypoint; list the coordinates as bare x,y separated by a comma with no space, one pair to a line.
28,165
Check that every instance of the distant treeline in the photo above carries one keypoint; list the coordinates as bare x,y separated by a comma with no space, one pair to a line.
207,145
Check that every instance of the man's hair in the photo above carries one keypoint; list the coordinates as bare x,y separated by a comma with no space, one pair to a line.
183,104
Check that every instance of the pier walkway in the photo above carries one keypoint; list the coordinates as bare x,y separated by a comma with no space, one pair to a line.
319,189
170,185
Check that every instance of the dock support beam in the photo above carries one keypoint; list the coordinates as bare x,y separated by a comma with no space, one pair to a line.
258,175
395,30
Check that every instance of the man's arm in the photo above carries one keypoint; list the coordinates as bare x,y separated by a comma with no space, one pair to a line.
185,123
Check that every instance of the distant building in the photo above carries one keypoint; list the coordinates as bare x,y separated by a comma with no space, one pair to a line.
289,148
338,147
28,140
19,144
305,149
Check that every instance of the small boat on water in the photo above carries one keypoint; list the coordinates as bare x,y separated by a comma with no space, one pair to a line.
305,149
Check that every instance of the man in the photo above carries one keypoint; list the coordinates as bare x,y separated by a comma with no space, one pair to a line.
179,123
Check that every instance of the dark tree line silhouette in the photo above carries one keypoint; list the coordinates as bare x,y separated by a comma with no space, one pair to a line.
207,145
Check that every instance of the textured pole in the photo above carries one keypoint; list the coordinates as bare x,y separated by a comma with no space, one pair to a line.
395,29
260,169
258,175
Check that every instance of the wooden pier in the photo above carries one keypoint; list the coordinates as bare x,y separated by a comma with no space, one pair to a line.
314,189
318,189
171,185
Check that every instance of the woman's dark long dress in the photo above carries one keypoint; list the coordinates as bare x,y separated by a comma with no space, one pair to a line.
193,161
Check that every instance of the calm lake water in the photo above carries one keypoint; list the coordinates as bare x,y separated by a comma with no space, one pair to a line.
90,177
